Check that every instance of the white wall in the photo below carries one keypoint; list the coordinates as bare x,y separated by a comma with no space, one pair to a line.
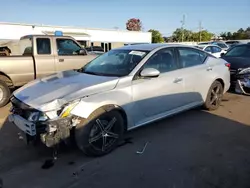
15,31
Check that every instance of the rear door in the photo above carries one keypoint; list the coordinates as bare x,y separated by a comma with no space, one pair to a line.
68,56
196,73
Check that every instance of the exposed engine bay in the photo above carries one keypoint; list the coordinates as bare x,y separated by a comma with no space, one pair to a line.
38,126
243,81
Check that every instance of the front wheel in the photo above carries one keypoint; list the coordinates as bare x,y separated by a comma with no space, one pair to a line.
214,96
100,134
4,93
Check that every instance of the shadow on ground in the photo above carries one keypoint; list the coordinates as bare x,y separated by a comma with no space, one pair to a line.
192,149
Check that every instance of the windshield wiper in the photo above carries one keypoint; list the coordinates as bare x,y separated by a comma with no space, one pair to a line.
92,73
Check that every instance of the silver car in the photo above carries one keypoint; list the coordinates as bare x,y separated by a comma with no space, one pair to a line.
120,90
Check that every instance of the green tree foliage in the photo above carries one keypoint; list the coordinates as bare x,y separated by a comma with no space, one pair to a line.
188,35
156,36
238,35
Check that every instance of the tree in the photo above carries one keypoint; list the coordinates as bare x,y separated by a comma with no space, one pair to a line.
188,35
156,36
238,35
134,24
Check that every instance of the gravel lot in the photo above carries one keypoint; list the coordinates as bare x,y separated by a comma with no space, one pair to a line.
192,149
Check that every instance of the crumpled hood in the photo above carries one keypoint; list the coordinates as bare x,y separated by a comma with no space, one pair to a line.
52,92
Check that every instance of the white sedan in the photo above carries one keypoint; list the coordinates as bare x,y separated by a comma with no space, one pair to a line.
120,90
212,49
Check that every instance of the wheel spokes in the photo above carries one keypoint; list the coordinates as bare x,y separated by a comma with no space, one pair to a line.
217,90
104,142
95,138
112,135
110,124
213,100
100,125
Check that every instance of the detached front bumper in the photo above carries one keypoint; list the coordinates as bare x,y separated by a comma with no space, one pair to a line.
243,87
243,82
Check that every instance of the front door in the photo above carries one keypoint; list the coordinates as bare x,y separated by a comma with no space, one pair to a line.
68,55
153,96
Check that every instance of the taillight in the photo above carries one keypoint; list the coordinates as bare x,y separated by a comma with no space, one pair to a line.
228,65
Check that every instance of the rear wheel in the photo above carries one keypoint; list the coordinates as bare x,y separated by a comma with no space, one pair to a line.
4,93
214,96
100,134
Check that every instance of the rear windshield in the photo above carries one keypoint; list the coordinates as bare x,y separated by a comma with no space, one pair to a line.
239,51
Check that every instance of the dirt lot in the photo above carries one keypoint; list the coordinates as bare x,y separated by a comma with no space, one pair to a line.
192,149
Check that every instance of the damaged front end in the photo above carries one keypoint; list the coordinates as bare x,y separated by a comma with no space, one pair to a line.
243,81
50,127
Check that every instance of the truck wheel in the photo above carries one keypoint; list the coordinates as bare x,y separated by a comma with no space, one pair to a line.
100,134
4,93
214,96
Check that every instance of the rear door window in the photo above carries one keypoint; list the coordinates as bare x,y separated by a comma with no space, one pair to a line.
43,46
190,57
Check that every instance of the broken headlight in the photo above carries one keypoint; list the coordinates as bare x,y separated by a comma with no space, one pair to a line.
37,116
63,112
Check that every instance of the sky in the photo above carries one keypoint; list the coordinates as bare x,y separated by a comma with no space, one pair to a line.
164,15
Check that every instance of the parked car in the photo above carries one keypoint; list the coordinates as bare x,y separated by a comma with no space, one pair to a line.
221,44
231,43
98,50
123,89
41,55
212,49
239,58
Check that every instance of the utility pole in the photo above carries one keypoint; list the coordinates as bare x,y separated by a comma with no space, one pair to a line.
200,29
182,27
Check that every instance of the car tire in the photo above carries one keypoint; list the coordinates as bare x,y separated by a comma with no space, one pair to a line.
214,96
100,133
4,93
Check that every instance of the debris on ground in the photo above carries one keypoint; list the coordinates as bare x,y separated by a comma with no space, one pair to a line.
142,151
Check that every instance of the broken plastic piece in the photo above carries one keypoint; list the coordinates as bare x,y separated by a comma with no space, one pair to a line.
141,152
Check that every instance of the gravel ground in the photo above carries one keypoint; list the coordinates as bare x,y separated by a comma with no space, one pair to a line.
192,149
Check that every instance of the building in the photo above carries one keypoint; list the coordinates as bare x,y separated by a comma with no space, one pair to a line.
10,33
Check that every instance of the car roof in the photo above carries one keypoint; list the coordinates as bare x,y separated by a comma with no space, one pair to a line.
150,47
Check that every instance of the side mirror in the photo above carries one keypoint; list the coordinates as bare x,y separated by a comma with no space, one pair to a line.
82,52
150,72
222,54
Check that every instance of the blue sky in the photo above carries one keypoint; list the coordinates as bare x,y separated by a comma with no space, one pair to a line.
163,15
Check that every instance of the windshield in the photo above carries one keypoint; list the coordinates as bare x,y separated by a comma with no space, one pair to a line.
239,51
115,63
221,45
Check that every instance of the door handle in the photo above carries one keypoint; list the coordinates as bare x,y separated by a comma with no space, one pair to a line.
61,60
178,80
209,68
